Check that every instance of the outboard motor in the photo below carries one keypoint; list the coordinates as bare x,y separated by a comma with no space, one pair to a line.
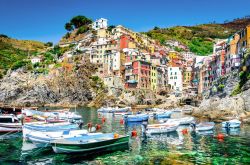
144,128
227,127
193,125
80,125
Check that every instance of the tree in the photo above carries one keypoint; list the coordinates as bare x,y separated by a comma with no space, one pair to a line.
4,36
49,44
79,21
111,27
68,26
156,28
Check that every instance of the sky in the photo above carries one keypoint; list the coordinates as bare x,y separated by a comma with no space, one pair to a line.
44,20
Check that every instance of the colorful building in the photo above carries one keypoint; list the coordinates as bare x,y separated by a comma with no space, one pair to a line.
175,78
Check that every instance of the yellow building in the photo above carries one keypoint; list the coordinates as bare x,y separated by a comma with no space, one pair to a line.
102,33
153,78
187,75
245,37
172,54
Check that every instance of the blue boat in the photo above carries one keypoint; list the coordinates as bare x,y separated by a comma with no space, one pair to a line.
163,115
136,118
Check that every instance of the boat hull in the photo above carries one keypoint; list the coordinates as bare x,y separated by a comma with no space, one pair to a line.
231,124
108,145
160,130
8,129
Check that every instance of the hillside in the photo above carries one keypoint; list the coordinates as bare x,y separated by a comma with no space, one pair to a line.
200,38
13,51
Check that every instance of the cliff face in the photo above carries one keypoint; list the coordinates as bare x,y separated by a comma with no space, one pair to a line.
229,107
74,87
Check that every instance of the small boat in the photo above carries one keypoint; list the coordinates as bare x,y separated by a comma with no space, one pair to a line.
9,123
46,137
183,120
231,124
163,115
105,110
48,127
122,113
41,115
136,118
187,111
91,143
203,126
176,110
159,128
113,109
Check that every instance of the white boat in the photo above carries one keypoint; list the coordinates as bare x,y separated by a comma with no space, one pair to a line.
183,120
39,137
113,109
187,111
160,128
9,123
48,127
136,118
61,115
231,124
166,114
204,126
122,113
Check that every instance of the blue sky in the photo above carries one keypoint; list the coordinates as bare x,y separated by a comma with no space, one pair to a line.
44,20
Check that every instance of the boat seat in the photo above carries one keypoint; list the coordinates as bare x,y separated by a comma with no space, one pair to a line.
66,132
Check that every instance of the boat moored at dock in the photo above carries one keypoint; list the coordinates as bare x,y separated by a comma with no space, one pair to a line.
136,118
91,143
231,124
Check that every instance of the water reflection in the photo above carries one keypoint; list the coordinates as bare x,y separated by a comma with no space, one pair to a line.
180,147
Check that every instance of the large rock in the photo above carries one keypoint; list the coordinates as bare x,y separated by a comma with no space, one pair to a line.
219,109
24,88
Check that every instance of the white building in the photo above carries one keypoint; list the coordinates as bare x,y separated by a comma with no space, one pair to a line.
188,55
100,24
175,78
35,60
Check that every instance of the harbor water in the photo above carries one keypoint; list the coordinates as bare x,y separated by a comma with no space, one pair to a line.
179,147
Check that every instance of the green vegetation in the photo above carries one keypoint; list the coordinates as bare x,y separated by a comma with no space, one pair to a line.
49,44
20,64
3,36
244,74
82,30
77,22
221,87
199,39
10,57
111,27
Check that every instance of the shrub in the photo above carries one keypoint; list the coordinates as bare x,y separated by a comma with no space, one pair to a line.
18,65
236,90
221,87
82,30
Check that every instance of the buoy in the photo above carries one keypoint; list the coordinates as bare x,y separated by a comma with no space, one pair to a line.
98,127
27,119
220,136
116,135
134,133
89,125
184,131
121,121
103,119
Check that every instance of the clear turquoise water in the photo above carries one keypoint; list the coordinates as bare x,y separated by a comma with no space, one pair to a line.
174,148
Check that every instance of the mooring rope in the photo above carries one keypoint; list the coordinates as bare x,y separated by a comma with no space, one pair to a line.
9,133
